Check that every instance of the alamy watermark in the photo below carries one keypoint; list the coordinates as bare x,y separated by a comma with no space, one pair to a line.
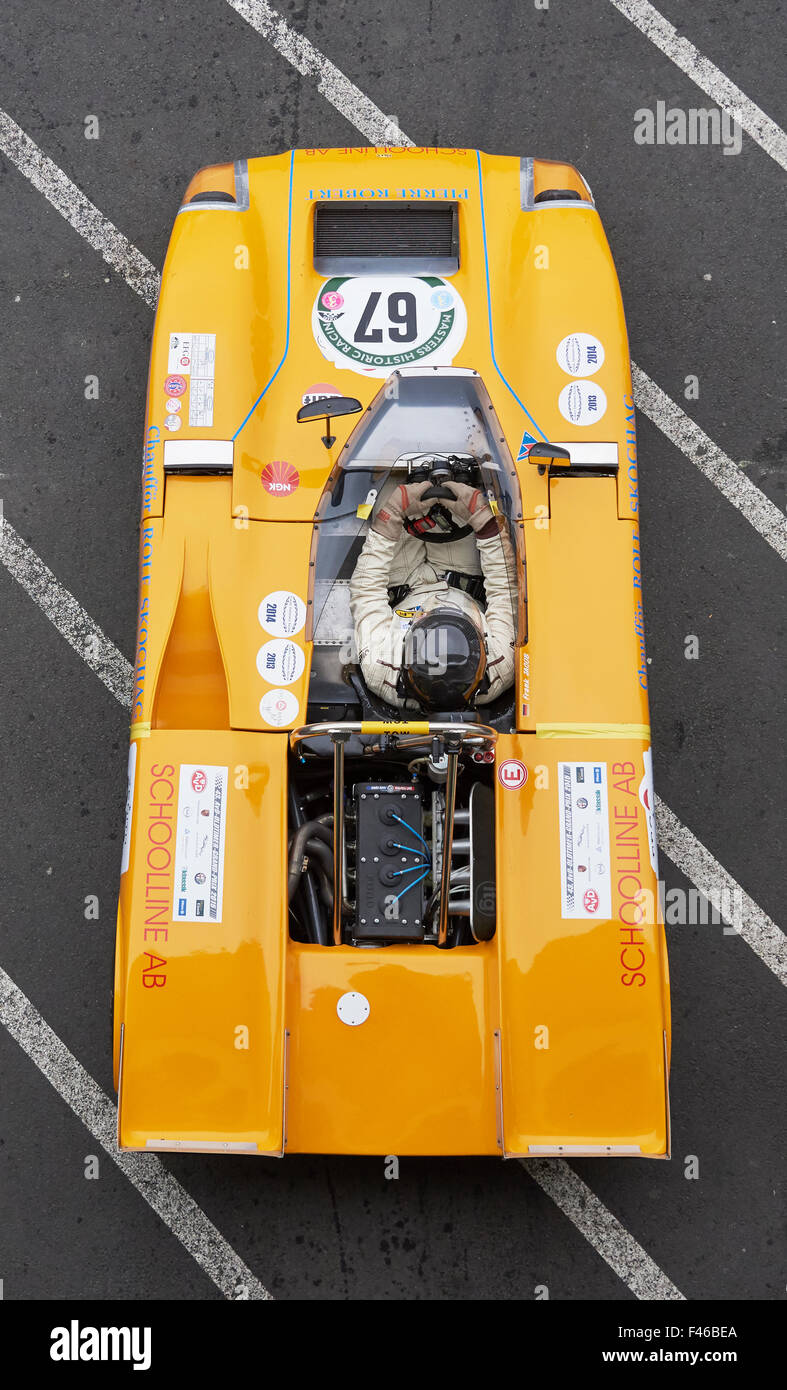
695,126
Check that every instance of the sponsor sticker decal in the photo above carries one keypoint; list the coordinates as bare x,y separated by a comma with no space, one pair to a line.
278,707
173,405
280,661
321,391
173,422
202,793
646,795
512,774
175,385
582,402
179,358
282,613
373,325
279,478
585,890
580,354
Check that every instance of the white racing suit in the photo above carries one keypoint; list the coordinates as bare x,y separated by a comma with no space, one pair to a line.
380,629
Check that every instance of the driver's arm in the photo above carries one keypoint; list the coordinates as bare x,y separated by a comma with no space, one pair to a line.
496,555
497,563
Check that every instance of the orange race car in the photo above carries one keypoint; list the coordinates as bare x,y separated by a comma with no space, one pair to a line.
389,876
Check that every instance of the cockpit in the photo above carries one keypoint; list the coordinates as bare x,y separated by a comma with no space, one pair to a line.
430,433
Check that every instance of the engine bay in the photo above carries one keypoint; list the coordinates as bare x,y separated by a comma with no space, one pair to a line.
404,824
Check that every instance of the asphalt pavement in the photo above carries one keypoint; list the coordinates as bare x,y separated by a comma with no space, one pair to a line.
697,238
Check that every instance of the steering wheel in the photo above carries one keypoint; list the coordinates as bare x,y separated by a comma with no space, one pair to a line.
443,527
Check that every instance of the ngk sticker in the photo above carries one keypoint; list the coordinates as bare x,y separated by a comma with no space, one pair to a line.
279,478
512,774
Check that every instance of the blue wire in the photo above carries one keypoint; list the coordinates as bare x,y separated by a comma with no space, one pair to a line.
397,873
409,849
412,884
413,831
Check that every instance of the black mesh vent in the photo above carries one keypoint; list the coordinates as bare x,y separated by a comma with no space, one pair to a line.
424,236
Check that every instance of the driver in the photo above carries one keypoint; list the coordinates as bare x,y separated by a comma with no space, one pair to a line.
438,648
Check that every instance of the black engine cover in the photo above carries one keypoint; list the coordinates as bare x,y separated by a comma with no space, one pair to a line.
390,862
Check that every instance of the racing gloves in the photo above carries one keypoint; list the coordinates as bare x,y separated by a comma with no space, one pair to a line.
403,501
470,508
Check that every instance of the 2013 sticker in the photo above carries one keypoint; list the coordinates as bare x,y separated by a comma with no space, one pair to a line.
280,661
582,402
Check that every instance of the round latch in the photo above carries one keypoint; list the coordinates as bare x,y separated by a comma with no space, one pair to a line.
353,1008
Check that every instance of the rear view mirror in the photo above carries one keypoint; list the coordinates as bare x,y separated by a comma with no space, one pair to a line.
326,409
559,456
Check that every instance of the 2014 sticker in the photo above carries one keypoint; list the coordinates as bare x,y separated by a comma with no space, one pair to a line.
282,613
580,354
280,661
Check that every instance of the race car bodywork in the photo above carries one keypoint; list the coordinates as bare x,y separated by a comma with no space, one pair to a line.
276,990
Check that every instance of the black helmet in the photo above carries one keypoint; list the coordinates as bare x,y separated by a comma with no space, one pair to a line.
443,659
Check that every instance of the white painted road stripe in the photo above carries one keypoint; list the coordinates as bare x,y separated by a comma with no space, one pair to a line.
348,99
718,467
83,216
707,77
601,1229
143,277
70,619
706,873
92,1106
